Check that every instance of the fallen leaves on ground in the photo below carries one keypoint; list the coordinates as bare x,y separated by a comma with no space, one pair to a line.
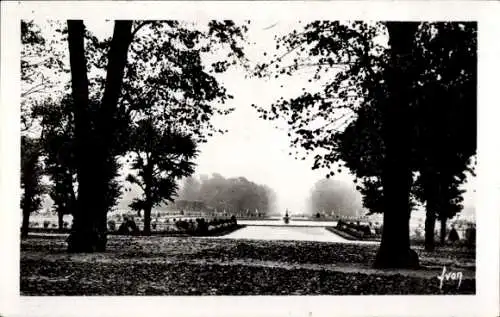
200,266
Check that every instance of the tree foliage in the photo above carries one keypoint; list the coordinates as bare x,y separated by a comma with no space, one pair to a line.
443,136
42,68
102,111
445,113
31,185
442,111
347,60
329,195
167,75
170,95
394,84
57,140
160,159
232,195
345,116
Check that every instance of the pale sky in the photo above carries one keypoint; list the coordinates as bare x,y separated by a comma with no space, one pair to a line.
254,148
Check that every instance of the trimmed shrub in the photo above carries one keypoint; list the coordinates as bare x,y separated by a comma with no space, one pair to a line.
182,225
202,226
111,225
128,227
356,229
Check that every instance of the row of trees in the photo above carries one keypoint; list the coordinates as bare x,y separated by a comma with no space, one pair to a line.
144,94
401,115
420,86
330,195
234,195
442,121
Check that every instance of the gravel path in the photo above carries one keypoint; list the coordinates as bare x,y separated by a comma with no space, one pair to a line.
285,233
292,223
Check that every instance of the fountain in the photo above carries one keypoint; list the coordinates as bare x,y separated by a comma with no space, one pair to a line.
286,218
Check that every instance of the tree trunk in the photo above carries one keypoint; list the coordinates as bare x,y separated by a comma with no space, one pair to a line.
30,181
147,220
148,204
106,123
430,224
394,251
93,145
443,231
431,195
60,220
85,236
25,225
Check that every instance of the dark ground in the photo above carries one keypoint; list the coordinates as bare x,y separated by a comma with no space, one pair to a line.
213,266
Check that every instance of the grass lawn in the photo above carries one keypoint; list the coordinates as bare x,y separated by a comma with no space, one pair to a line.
213,266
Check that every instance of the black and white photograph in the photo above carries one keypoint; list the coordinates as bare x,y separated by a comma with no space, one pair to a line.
221,157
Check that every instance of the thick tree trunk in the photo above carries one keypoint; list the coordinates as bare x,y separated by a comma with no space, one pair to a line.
25,225
148,205
394,251
94,145
431,195
60,220
430,224
147,220
84,236
30,181
106,123
442,235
